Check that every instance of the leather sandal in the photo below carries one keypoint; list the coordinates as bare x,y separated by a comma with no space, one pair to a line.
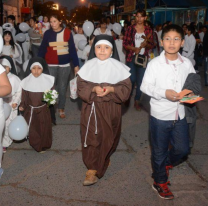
62,114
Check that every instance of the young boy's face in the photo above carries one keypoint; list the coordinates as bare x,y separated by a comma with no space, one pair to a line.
172,42
36,71
103,51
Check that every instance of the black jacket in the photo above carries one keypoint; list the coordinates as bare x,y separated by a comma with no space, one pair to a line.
205,44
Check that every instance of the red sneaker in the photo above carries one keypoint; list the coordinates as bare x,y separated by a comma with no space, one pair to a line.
163,190
168,167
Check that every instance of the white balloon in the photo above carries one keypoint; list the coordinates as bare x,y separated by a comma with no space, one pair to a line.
20,37
7,110
1,43
117,28
82,44
88,28
18,128
40,18
24,27
25,65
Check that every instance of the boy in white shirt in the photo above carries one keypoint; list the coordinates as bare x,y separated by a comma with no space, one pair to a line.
163,80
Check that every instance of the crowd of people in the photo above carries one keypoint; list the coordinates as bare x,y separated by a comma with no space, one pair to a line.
160,61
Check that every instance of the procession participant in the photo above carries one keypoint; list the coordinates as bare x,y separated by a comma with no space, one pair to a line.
35,37
5,89
134,44
164,78
103,29
119,45
45,24
78,37
36,112
58,50
13,99
86,51
103,85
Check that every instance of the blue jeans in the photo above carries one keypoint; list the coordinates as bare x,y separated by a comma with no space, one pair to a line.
61,75
81,62
163,134
137,74
206,70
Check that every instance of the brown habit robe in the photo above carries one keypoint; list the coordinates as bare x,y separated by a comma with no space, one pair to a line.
102,145
40,132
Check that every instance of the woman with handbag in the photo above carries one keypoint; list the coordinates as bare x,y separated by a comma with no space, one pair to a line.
138,40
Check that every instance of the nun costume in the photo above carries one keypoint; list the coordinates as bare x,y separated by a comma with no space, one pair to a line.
11,99
101,116
36,112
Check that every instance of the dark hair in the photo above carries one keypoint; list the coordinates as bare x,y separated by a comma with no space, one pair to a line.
184,25
142,12
172,27
89,38
11,42
163,26
80,26
56,16
150,24
191,29
33,18
108,17
12,17
103,21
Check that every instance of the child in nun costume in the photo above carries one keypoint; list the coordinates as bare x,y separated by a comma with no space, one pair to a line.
36,112
12,99
103,85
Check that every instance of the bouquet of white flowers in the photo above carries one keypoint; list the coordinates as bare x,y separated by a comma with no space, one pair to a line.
50,97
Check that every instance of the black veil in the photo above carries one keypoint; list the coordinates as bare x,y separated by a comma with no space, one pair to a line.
13,69
104,37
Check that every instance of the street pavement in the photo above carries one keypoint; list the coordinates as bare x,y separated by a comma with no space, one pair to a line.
55,177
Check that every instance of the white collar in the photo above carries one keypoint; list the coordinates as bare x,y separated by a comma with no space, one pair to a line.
40,84
163,59
108,71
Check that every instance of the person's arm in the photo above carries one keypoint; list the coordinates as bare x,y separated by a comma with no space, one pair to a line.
73,54
44,45
5,86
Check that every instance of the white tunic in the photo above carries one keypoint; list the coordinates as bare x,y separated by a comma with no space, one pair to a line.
98,32
86,52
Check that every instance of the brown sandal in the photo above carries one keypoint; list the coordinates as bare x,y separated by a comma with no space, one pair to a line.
62,114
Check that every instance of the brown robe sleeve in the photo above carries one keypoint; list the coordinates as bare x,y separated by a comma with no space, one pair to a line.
84,90
24,102
122,91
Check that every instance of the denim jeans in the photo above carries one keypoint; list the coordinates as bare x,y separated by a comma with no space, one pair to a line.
61,75
81,62
137,74
163,134
206,70
35,50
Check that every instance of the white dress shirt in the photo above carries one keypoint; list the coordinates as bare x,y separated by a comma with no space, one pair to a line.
98,32
162,74
189,46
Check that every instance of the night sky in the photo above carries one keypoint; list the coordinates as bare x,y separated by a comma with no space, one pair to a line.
72,3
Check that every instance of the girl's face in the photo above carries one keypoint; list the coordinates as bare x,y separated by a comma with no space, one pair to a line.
103,51
103,26
55,23
7,38
45,19
36,71
32,23
121,36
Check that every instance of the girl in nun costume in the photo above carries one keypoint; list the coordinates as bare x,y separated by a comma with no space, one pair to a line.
12,99
36,112
103,85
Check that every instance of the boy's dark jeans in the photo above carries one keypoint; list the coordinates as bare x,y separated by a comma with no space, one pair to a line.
164,134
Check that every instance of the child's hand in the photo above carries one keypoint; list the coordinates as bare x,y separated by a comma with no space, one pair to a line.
191,94
172,95
98,90
21,109
106,90
14,105
11,56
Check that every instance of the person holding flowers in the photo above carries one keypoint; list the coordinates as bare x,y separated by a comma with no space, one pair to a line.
36,99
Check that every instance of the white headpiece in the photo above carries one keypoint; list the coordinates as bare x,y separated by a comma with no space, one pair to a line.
36,64
104,42
5,62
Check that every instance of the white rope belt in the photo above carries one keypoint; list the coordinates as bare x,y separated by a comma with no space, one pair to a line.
31,113
92,110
